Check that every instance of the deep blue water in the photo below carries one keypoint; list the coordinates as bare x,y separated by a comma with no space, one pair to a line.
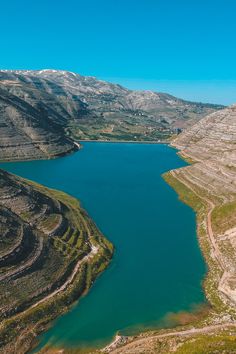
157,267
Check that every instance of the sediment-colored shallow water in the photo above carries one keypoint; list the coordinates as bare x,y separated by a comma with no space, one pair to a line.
157,267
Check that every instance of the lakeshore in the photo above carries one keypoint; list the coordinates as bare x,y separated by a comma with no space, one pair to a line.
165,142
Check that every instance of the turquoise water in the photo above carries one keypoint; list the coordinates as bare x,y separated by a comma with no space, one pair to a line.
157,267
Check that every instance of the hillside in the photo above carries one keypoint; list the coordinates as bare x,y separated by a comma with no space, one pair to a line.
212,143
28,132
42,112
50,253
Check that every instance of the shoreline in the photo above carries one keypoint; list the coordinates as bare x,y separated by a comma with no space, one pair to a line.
78,145
73,150
120,343
162,142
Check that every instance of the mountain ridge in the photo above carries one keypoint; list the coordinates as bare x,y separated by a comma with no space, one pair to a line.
62,107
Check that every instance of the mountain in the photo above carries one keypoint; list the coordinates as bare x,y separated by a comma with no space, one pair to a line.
50,253
42,112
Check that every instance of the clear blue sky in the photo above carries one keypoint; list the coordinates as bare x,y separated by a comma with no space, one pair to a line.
173,42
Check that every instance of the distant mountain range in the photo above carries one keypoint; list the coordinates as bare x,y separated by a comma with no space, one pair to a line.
43,112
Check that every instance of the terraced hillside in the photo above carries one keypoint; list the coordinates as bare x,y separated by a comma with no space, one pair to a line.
43,112
212,143
208,185
50,253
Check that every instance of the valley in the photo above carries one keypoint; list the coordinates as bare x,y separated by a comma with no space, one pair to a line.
51,251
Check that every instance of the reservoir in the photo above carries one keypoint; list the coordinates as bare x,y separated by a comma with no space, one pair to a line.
157,267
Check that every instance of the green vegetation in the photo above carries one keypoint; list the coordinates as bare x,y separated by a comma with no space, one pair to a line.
217,344
127,128
185,194
224,217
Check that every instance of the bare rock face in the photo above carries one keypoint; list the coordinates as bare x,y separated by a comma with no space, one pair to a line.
211,143
41,112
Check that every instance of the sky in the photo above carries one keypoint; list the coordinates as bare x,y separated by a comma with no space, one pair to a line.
184,47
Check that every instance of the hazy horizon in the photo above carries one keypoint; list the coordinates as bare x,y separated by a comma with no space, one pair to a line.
205,91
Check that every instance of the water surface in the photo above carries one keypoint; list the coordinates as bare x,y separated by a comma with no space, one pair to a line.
157,267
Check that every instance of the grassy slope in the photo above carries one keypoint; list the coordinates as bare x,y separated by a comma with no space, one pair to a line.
219,343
